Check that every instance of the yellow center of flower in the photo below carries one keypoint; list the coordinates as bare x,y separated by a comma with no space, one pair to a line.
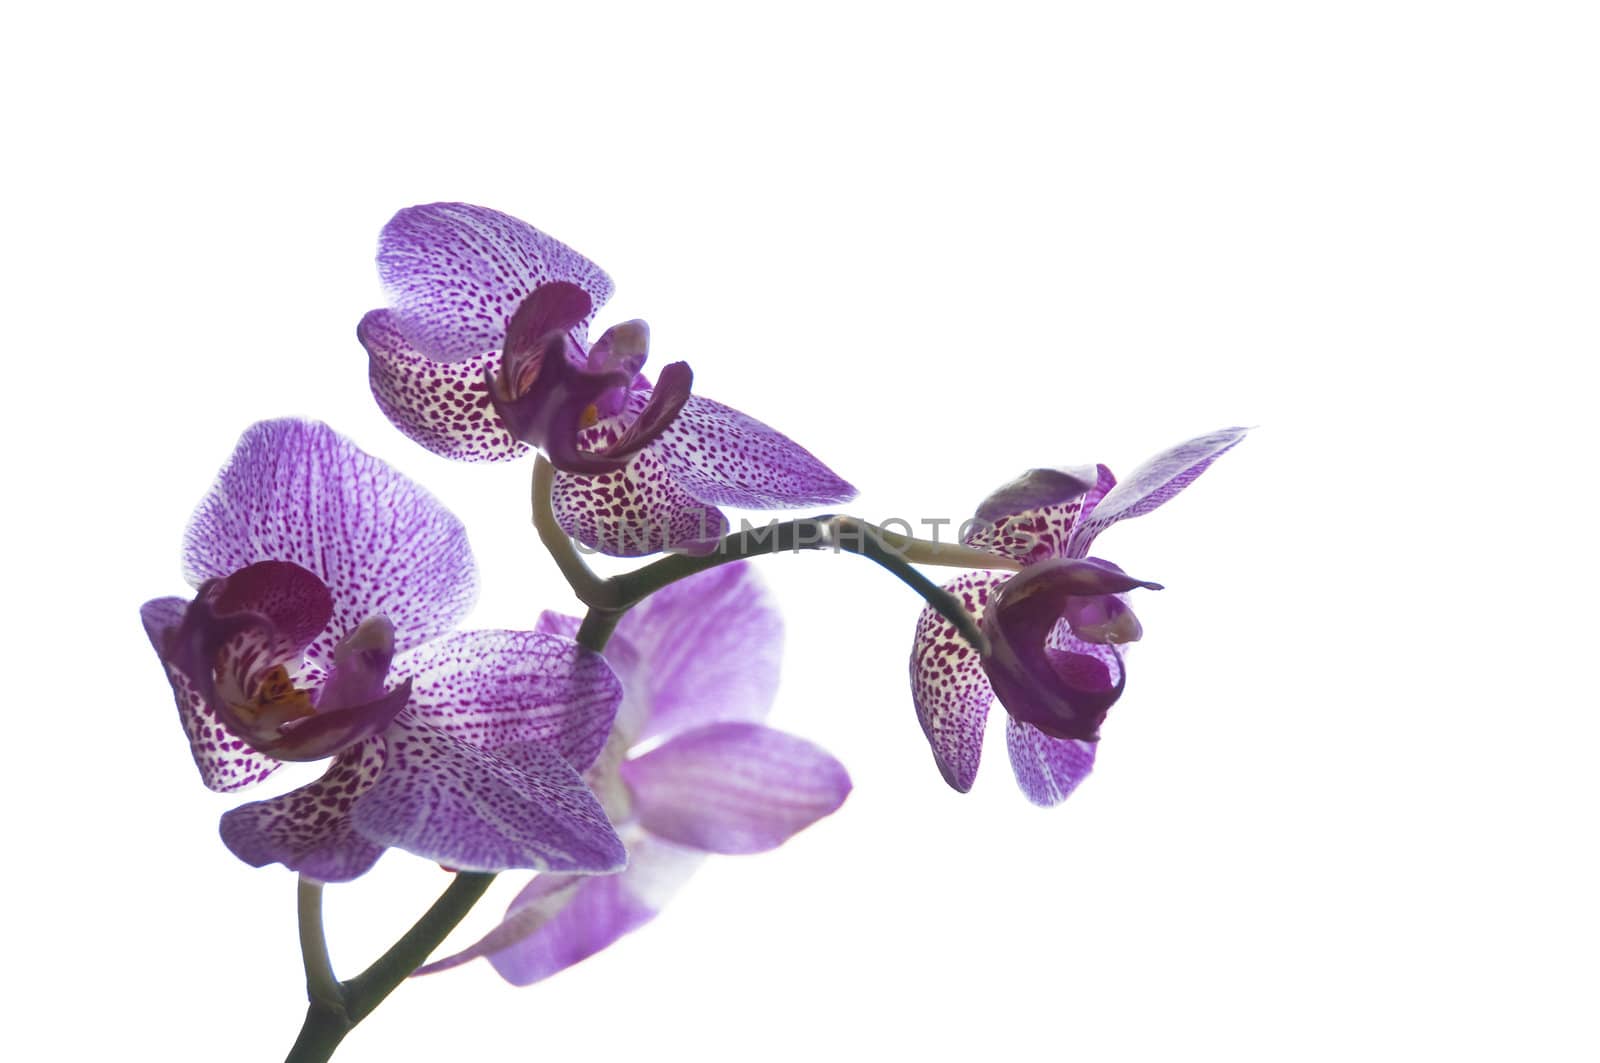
590,418
277,700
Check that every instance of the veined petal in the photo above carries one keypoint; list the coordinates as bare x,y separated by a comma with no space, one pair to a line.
444,406
726,458
309,830
708,648
1047,769
1153,483
297,491
455,804
638,510
500,688
734,787
455,273
559,920
948,686
226,762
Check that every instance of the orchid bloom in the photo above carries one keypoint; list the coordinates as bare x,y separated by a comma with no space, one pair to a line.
327,587
699,668
483,355
1053,628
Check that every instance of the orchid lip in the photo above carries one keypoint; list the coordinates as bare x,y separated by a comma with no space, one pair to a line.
549,389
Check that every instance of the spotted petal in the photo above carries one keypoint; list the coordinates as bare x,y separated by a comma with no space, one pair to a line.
297,491
226,762
458,805
948,686
442,405
558,920
636,511
1153,484
726,458
309,830
1047,769
455,273
500,688
734,787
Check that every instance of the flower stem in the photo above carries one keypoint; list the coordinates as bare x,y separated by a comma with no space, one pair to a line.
321,985
590,588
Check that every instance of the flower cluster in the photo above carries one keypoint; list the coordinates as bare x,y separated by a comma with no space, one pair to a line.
610,753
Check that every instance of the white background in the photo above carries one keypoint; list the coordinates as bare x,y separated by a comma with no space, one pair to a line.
1346,807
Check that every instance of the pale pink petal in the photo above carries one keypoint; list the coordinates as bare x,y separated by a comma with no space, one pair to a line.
727,458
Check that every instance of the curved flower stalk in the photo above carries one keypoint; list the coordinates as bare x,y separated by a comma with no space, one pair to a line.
484,354
1053,628
327,586
699,668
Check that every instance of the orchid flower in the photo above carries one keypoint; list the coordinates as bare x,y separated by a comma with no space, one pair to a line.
327,586
690,770
1053,628
483,355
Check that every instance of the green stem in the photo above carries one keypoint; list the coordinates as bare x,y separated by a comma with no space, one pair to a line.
590,588
321,985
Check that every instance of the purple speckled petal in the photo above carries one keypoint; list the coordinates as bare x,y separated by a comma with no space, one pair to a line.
467,808
638,510
558,920
734,787
1153,483
297,491
500,688
726,458
1031,519
455,273
709,649
309,830
227,764
948,686
1047,769
444,406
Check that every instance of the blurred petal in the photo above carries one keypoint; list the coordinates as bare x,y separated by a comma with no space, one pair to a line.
1047,769
726,458
948,685
499,688
552,925
734,787
705,648
225,761
1036,489
455,273
444,406
636,511
309,830
1153,483
297,491
467,808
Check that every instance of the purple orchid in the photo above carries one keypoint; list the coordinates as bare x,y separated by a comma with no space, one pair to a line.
327,587
483,355
699,668
1053,628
